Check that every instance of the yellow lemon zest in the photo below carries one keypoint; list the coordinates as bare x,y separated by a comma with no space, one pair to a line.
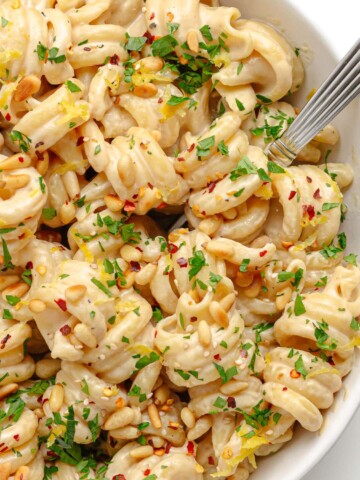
303,245
139,78
6,92
265,192
69,167
5,57
72,109
323,371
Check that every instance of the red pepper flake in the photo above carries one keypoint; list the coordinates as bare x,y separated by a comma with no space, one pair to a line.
172,248
217,356
263,253
284,389
152,16
181,159
80,141
160,100
161,206
61,304
149,38
119,476
129,206
167,447
309,179
155,334
16,437
40,399
20,237
140,249
292,194
29,266
212,186
113,442
151,186
4,449
190,448
182,262
65,330
294,374
135,196
114,59
4,341
147,472
311,211
211,460
317,194
231,402
45,400
330,361
135,266
21,159
8,117
191,148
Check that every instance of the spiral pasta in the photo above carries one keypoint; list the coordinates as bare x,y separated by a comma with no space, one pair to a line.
133,347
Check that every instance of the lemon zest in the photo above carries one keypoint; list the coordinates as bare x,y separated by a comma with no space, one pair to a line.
5,57
323,371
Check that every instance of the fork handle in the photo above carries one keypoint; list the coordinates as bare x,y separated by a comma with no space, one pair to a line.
340,88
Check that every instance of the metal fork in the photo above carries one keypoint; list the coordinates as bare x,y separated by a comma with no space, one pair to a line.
340,88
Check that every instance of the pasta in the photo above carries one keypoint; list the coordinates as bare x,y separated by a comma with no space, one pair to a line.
132,346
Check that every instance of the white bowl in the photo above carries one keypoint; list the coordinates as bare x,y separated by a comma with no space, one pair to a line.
327,30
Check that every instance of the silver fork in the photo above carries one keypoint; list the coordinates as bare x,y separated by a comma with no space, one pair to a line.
340,88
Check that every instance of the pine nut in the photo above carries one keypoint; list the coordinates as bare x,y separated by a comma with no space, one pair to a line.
84,334
126,171
22,473
146,274
42,166
27,87
5,469
7,280
130,254
119,419
39,412
149,64
201,426
15,181
37,306
17,290
125,433
155,441
146,90
113,203
56,398
227,302
254,289
6,193
233,386
19,160
75,293
244,279
67,212
161,395
283,298
218,314
204,333
188,417
230,214
47,368
71,184
154,416
7,390
142,452
192,41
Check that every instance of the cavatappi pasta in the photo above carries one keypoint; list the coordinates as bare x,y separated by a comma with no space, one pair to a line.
130,350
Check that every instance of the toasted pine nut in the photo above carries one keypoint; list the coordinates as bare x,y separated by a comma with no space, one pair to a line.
56,398
17,289
227,302
287,245
161,395
254,289
6,193
202,425
126,171
210,225
218,314
154,416
7,390
142,452
233,386
113,203
84,334
75,293
71,184
27,87
204,333
67,212
244,279
230,214
156,442
37,306
42,165
192,41
149,64
39,412
22,473
7,280
5,469
146,90
146,274
130,254
188,417
15,181
125,433
47,367
119,419
19,160
283,298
